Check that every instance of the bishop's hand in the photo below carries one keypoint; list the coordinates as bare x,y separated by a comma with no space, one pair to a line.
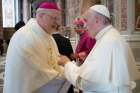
63,60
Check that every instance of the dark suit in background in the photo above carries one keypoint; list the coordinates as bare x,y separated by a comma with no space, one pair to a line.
64,45
65,48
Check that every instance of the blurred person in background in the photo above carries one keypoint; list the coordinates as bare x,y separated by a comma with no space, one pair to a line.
85,43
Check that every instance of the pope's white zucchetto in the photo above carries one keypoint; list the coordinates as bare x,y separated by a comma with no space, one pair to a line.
101,9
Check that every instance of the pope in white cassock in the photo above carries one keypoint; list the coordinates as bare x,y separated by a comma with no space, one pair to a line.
31,62
110,66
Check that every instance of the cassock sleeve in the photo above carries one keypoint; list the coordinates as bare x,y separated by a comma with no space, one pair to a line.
72,73
36,57
39,64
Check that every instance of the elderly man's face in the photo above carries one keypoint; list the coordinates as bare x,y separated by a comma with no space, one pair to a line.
91,23
50,19
79,29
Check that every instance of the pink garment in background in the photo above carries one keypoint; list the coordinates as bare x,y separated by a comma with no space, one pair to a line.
85,43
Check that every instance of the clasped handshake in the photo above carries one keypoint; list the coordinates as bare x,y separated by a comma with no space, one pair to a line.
80,57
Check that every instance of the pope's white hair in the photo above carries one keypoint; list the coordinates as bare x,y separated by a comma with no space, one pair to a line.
106,20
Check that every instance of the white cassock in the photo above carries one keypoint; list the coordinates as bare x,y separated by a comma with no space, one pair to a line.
109,68
31,62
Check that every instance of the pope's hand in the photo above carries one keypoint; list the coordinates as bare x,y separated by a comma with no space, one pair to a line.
63,60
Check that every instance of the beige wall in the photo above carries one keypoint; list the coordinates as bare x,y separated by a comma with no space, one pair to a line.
88,3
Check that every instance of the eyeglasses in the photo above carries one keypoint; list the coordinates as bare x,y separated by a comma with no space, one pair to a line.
52,17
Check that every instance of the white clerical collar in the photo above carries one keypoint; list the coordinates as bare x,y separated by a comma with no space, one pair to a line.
102,32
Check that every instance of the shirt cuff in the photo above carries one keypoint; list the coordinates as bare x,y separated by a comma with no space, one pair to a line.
69,63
